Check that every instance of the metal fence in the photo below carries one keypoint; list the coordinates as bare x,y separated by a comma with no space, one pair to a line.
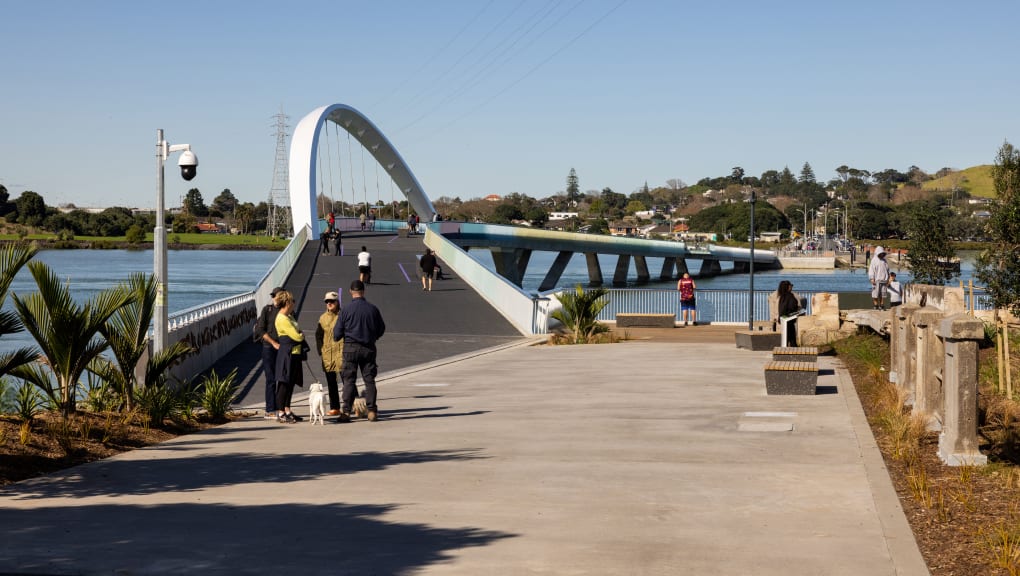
714,306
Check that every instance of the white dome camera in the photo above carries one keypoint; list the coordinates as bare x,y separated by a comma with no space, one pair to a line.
189,164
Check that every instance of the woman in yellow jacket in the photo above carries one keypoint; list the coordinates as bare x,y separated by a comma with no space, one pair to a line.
288,360
331,352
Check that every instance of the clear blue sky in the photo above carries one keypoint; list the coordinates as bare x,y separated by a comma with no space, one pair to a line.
485,97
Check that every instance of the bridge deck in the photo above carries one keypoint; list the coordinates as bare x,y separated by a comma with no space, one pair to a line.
420,327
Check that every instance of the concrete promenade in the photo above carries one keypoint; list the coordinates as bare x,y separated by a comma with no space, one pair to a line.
642,457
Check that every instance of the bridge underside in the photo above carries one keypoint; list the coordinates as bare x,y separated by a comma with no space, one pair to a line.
511,255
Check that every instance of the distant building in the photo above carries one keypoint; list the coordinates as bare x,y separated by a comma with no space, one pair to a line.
493,198
562,215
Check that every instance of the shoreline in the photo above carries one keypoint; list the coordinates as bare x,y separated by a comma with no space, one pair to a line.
142,246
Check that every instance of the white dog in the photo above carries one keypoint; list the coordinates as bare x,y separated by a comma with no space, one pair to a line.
316,403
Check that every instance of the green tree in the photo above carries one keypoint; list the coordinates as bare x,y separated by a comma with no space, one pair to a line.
929,250
573,187
225,203
807,174
194,204
634,206
66,331
580,311
127,332
135,234
506,214
12,258
31,208
998,267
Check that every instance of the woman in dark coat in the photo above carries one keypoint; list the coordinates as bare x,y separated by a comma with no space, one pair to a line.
288,359
788,304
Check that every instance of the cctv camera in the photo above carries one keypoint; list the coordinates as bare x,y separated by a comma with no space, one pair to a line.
188,164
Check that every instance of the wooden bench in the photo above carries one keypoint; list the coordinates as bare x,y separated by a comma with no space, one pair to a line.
795,354
646,320
791,377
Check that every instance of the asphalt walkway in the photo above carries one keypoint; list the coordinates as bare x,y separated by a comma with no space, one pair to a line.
642,457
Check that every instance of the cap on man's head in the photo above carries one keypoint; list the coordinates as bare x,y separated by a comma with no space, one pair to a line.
330,296
276,291
357,286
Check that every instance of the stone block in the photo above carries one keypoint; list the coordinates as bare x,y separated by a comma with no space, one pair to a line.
791,378
757,341
645,320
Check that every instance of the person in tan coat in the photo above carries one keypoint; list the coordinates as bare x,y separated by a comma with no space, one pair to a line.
330,352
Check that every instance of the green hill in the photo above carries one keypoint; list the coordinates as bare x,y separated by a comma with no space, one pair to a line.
977,180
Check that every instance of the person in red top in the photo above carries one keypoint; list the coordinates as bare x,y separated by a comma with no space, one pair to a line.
331,221
688,307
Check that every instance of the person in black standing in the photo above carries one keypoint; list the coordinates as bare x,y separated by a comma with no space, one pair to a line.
359,326
266,328
788,305
339,240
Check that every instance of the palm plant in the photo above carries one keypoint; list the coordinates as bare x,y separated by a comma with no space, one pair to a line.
127,331
580,312
12,258
67,332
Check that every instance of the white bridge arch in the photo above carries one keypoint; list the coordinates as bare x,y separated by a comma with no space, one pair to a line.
303,155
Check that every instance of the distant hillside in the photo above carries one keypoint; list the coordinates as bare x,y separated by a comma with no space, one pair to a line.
977,180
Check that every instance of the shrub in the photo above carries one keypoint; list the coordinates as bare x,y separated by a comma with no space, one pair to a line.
580,312
218,393
135,234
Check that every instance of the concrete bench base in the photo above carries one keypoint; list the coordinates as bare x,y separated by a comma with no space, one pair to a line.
645,320
795,354
799,378
758,341
402,233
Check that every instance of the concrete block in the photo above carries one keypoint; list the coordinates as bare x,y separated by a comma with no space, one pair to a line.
757,341
789,378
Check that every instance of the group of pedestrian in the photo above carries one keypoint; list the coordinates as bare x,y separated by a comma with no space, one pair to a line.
346,342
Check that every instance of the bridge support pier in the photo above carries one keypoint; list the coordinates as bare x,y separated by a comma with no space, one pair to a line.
668,263
642,269
511,264
741,267
594,268
709,267
552,277
622,267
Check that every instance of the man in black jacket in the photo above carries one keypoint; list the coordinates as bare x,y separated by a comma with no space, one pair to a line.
266,326
359,326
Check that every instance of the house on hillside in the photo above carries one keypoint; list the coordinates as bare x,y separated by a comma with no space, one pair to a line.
621,228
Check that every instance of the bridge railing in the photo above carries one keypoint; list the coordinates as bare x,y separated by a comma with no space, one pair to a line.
528,312
713,306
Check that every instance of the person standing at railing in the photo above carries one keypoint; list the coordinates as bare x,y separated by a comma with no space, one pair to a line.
688,305
895,291
878,274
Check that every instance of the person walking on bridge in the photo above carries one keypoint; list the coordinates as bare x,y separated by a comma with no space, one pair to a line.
359,326
428,269
365,266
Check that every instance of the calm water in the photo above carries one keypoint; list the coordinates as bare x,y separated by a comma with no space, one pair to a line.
195,276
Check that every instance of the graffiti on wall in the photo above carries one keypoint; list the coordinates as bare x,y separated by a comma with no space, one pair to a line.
221,329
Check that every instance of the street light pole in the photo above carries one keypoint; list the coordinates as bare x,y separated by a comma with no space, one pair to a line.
189,164
750,304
